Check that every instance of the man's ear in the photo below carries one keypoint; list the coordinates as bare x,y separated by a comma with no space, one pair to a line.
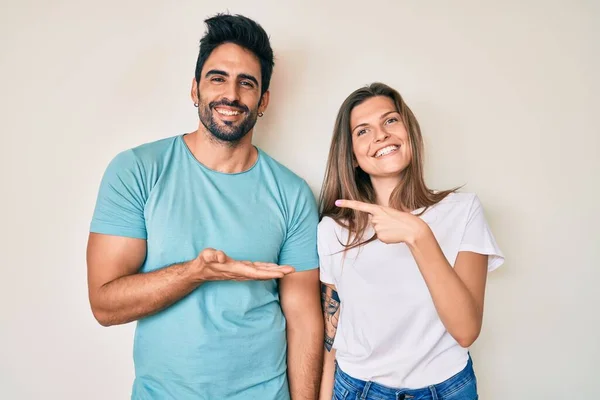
264,102
194,92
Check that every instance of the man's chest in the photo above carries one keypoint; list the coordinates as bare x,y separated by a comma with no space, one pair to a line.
180,227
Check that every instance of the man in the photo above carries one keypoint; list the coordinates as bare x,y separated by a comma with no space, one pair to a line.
210,244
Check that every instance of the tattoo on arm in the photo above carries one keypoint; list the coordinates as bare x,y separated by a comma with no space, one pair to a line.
331,313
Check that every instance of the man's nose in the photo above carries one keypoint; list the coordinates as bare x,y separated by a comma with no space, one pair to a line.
232,92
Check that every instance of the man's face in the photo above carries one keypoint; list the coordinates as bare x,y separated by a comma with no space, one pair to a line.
228,95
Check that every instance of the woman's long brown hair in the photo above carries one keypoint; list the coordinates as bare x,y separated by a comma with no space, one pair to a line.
345,180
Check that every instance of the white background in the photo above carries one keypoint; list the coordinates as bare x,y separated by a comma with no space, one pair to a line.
506,93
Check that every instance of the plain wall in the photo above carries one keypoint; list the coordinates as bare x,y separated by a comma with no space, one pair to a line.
506,93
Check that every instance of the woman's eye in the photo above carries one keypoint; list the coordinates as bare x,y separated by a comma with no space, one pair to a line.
360,132
391,120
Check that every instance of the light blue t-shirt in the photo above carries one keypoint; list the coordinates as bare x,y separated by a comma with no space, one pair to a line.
227,339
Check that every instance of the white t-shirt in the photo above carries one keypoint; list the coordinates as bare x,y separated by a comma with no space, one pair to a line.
389,331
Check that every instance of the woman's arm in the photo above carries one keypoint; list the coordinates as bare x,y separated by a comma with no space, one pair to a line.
458,293
331,313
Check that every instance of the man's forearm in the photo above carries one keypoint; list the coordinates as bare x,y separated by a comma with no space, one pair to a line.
305,360
132,297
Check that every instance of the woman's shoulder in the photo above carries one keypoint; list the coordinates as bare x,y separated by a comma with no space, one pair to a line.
329,226
331,233
455,203
459,199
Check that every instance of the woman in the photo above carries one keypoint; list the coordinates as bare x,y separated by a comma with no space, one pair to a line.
403,267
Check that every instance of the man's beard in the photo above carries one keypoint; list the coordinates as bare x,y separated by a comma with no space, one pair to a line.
230,132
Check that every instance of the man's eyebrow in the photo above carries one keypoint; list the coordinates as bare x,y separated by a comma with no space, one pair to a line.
216,72
240,76
249,77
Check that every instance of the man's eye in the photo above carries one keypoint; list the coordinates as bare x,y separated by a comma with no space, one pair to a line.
217,79
246,83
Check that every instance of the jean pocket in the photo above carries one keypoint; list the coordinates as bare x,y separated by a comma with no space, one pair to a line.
465,390
339,391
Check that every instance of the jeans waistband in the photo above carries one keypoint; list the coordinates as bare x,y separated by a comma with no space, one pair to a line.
442,389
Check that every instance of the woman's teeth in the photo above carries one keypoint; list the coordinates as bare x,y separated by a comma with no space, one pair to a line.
386,150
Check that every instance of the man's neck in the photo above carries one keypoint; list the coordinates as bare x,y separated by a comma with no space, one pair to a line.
222,156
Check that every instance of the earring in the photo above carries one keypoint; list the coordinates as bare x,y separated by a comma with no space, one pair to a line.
196,105
260,114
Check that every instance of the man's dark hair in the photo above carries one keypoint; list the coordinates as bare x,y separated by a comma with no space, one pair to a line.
240,30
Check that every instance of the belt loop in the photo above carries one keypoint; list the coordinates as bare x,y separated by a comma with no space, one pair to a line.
366,391
434,395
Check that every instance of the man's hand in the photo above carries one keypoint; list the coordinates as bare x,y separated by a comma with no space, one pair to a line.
390,225
215,265
120,294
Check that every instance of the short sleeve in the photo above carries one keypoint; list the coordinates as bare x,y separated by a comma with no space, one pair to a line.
325,264
300,246
478,237
121,199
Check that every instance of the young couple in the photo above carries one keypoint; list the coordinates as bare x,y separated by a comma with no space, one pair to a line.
218,251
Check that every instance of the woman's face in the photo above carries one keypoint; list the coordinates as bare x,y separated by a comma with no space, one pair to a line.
379,139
